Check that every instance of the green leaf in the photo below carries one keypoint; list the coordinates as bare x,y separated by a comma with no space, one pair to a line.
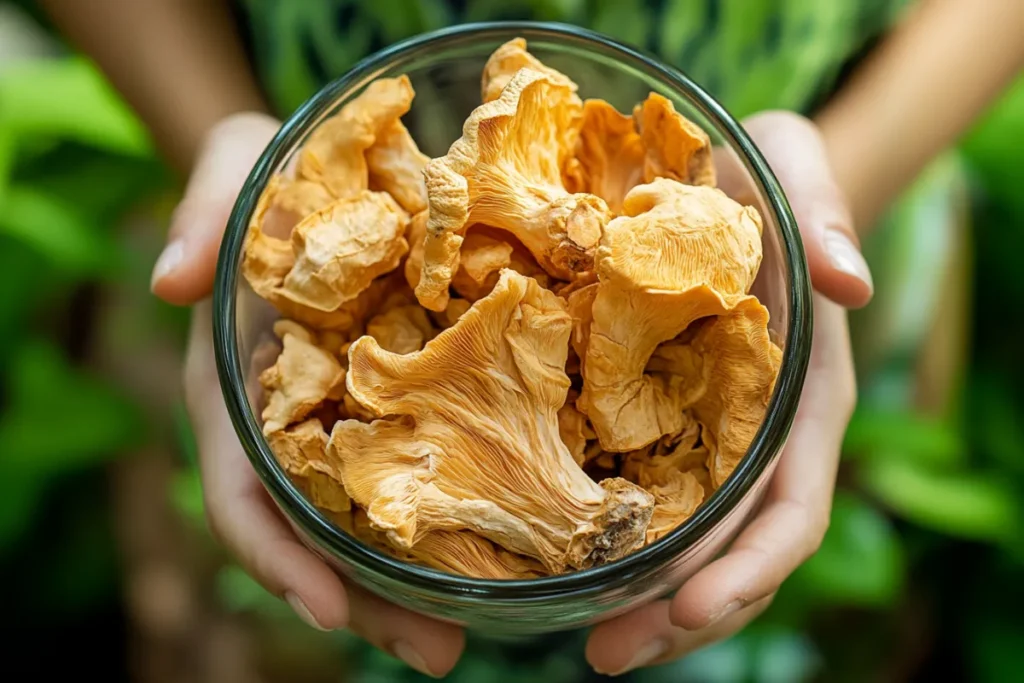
58,232
187,495
860,561
59,418
68,99
921,438
963,504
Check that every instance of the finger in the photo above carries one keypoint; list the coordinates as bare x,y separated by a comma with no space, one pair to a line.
795,515
647,637
241,514
429,646
184,272
796,153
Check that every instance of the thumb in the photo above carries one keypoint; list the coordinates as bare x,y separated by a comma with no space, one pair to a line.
184,272
794,149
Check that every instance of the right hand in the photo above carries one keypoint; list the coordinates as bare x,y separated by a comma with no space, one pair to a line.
240,512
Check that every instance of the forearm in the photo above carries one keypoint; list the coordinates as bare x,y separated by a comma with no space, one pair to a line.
178,63
922,89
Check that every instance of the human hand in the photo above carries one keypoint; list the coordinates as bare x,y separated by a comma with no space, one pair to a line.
240,513
727,594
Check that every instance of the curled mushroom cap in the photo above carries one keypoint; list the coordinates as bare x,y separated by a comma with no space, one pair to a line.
335,154
505,62
396,166
402,329
609,156
678,254
675,147
481,260
471,438
300,451
505,172
303,377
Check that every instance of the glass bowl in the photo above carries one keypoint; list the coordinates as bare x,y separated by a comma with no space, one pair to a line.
445,68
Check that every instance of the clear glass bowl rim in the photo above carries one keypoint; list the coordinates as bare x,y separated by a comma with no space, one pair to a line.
763,450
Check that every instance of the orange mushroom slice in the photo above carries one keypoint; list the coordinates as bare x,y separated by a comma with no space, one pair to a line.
609,156
505,172
471,441
674,147
678,253
729,371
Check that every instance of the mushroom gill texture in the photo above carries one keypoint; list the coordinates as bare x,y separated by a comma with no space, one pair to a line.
303,377
679,253
300,451
458,552
469,438
505,172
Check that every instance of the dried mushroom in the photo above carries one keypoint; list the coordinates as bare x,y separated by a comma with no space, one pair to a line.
471,439
505,62
532,355
609,157
674,147
505,172
396,167
678,253
303,377
300,450
335,154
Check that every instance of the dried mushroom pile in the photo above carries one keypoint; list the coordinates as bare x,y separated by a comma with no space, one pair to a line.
530,356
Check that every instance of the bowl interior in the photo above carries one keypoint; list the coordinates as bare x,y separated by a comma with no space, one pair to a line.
445,70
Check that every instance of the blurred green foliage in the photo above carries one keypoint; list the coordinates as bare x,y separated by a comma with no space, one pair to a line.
922,569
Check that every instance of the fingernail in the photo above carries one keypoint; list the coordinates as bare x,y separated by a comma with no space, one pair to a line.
300,609
650,652
408,654
169,260
845,257
731,608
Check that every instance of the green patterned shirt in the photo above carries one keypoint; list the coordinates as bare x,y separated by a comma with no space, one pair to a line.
750,54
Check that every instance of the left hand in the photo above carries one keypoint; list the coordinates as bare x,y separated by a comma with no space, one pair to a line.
730,592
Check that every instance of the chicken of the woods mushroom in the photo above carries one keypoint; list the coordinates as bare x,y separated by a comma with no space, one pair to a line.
530,356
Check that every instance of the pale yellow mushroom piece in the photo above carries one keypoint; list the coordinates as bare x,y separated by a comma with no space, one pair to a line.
396,166
303,377
609,157
322,276
471,438
414,235
674,147
505,62
340,250
679,253
505,172
300,451
335,154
